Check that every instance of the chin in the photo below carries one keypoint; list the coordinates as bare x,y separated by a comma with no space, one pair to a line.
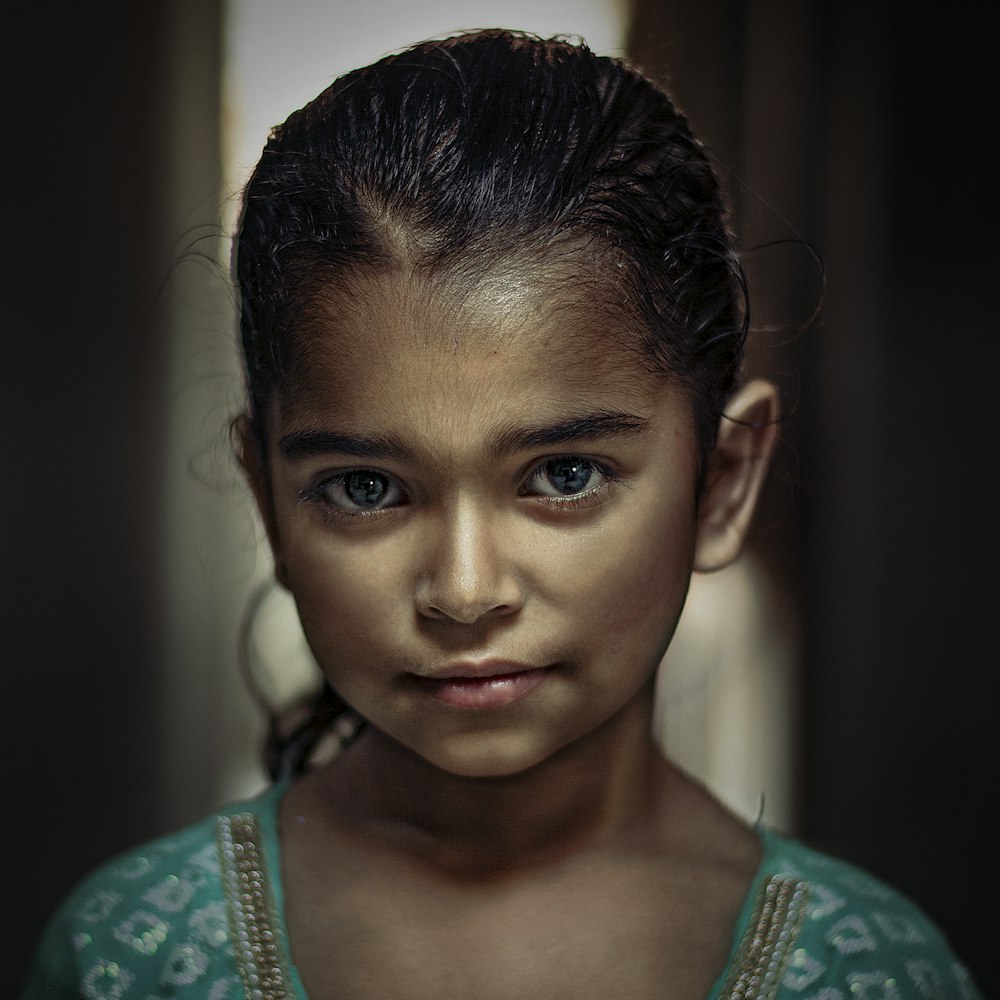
503,757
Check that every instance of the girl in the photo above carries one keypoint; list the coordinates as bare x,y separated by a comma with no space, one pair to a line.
492,325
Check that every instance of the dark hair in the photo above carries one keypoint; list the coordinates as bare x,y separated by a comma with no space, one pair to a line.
461,153
458,155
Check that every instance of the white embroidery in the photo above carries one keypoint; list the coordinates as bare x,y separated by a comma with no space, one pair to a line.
850,935
143,932
823,901
897,928
185,964
210,924
925,977
106,981
877,985
802,971
99,906
229,988
172,894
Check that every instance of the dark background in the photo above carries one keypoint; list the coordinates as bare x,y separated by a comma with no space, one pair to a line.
865,128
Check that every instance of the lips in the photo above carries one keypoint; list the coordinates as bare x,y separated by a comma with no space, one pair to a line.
483,684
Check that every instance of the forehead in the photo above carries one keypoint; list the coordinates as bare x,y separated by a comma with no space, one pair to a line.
397,349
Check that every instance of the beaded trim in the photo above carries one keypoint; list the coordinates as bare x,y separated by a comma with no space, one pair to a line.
774,923
774,926
259,952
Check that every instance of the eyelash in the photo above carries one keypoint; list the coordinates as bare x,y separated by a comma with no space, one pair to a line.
590,497
318,494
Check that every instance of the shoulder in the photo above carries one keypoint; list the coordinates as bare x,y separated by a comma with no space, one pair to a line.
150,919
857,935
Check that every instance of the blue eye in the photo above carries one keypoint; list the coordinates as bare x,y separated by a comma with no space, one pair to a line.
566,478
365,489
358,491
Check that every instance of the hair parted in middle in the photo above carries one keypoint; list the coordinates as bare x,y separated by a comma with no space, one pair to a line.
464,154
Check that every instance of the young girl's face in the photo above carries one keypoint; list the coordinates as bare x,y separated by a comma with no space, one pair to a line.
486,512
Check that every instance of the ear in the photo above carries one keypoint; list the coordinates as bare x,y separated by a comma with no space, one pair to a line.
253,459
735,474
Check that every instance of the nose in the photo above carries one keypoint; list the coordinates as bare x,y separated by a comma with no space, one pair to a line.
468,575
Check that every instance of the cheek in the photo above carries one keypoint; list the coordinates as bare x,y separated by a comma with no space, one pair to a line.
341,592
633,581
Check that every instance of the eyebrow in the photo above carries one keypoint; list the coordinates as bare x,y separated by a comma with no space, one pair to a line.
302,444
581,428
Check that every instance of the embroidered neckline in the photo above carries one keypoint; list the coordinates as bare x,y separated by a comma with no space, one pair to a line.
253,921
262,957
756,970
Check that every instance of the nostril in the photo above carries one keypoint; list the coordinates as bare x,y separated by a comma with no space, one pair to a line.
443,597
468,573
466,613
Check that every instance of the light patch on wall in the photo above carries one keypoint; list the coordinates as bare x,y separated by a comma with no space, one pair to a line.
280,56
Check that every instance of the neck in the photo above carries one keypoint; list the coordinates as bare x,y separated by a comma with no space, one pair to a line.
603,786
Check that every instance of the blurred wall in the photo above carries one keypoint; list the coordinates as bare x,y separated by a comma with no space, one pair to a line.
94,96
865,128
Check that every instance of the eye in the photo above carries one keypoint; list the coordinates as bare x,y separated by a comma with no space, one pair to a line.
357,492
566,478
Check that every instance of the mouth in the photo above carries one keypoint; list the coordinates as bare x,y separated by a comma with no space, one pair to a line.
483,684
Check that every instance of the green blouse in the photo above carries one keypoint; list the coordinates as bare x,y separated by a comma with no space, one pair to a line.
199,915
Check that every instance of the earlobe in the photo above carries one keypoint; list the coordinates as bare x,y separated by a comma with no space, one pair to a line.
735,474
255,467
